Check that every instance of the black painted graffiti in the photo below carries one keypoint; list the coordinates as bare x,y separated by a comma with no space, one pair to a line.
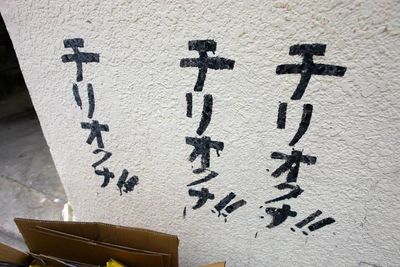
281,121
95,132
279,215
294,193
206,114
203,195
106,156
231,208
106,174
321,223
189,105
124,184
292,164
308,67
310,218
202,147
128,185
293,161
303,126
78,100
77,97
91,100
204,62
315,226
207,178
77,56
203,144
223,202
305,122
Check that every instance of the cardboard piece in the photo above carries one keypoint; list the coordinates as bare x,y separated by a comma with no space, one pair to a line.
166,258
89,252
9,254
118,235
93,244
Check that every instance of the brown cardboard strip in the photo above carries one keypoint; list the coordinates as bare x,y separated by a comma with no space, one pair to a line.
12,255
166,257
119,235
86,252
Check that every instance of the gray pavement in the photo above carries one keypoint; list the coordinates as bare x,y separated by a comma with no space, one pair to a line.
29,184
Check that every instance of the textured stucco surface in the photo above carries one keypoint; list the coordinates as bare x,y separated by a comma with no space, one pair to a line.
140,93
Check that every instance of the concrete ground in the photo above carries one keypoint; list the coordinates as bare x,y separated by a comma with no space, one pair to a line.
29,184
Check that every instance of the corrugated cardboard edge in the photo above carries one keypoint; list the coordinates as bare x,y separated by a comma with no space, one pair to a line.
24,224
13,255
98,223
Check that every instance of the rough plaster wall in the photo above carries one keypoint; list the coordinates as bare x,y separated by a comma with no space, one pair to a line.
140,93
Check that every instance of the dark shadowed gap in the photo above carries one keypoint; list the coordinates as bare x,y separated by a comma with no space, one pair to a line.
29,184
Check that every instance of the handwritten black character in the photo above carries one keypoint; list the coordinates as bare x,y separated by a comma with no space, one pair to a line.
314,226
203,196
231,208
281,121
206,114
292,164
303,126
307,220
279,215
308,67
77,56
95,132
106,174
91,100
129,185
321,223
75,90
202,147
106,156
207,178
294,193
189,105
77,97
204,62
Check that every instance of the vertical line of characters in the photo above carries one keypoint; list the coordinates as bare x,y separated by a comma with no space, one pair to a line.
203,144
125,183
293,160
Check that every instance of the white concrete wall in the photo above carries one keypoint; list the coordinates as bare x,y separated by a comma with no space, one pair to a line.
140,93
